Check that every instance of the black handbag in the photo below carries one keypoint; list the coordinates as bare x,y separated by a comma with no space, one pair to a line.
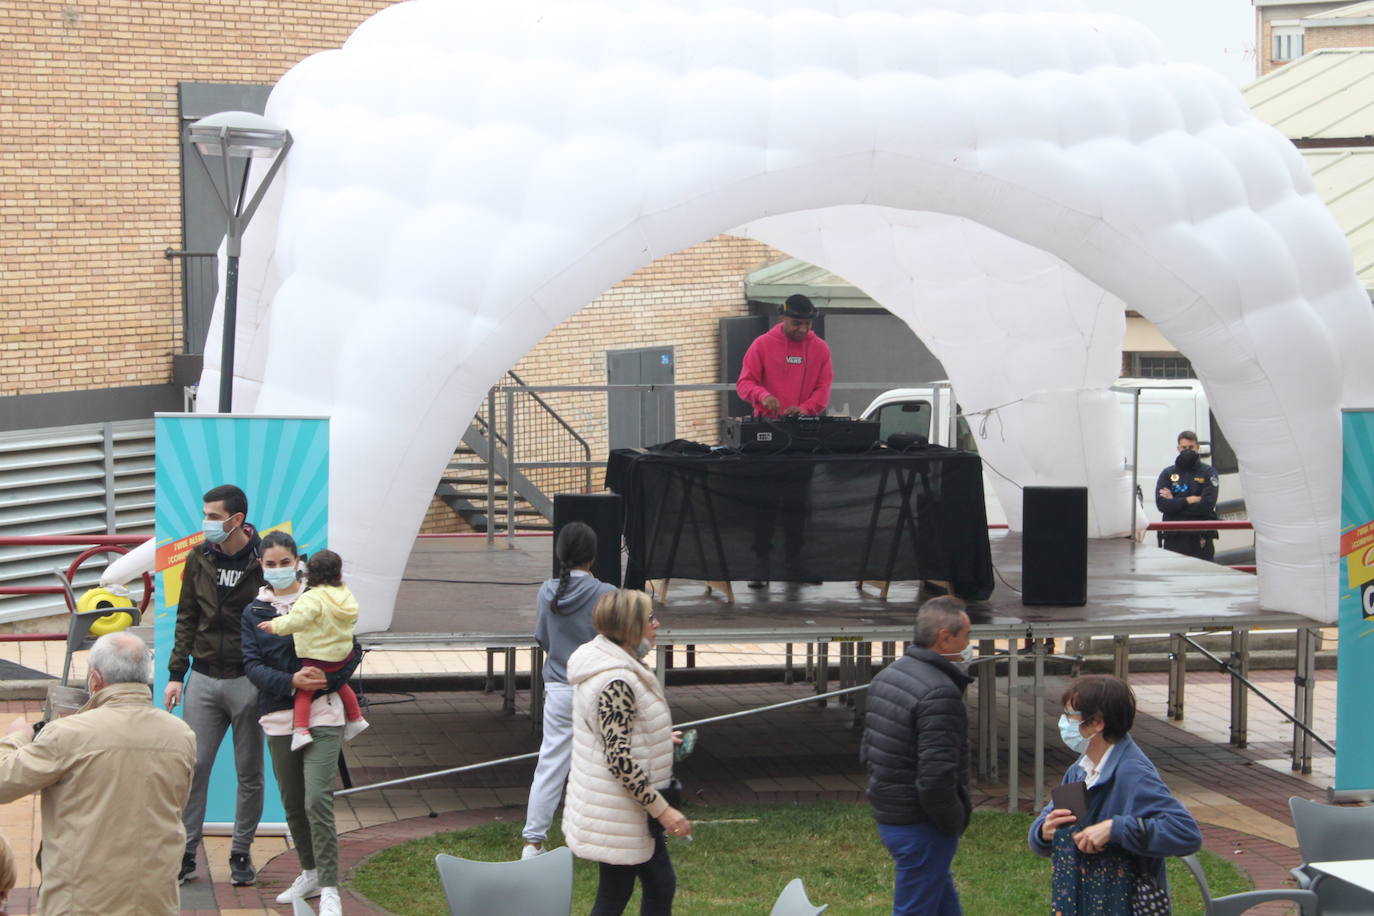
672,792
1150,899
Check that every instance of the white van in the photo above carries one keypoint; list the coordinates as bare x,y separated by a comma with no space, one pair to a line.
1152,414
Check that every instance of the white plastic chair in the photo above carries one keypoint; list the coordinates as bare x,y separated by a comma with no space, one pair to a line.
1330,833
300,908
539,886
794,902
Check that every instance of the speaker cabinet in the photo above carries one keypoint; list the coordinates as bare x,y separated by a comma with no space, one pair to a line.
604,512
1054,546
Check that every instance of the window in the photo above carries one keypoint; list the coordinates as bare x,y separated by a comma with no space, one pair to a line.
1160,365
907,417
1287,43
1223,457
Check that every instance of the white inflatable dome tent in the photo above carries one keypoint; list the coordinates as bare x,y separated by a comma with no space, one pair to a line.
1003,176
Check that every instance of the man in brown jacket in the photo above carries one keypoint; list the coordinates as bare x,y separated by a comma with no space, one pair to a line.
114,778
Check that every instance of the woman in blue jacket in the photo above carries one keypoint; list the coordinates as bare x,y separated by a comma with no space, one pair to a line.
306,776
1133,824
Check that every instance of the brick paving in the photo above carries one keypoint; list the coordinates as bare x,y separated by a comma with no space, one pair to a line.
799,754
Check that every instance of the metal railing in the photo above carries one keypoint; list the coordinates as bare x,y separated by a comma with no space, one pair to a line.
95,545
545,434
505,402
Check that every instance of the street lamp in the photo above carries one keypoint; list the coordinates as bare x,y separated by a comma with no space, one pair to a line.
231,135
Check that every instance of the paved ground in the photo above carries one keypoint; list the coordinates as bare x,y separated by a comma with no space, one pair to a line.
797,754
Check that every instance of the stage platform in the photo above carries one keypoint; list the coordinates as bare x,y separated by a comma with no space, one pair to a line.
460,592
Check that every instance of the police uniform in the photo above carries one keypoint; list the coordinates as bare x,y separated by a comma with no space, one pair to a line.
1182,482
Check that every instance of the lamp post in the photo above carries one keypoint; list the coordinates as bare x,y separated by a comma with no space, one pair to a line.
229,136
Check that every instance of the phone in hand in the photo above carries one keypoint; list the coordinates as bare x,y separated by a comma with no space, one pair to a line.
689,743
1073,796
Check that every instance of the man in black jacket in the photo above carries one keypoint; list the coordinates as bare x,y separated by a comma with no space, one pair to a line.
915,748
219,580
1187,492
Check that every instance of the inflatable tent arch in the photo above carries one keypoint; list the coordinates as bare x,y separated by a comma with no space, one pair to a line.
466,176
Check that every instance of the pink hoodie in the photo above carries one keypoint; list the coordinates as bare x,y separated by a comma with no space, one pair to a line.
794,373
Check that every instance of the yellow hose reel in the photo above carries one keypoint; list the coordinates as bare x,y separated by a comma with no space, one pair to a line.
124,613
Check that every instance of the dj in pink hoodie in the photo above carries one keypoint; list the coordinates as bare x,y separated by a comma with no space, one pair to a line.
786,371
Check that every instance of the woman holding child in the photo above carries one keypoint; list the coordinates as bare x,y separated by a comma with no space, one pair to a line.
305,772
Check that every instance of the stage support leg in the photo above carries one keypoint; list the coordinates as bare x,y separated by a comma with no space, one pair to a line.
787,675
1121,657
1240,697
661,656
864,676
1178,666
848,669
508,701
822,670
1038,718
1013,728
691,655
889,653
811,661
986,673
1305,683
490,684
536,690
668,658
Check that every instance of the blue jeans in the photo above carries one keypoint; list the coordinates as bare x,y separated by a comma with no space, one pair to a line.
922,854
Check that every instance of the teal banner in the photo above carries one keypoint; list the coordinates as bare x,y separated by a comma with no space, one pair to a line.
1355,670
282,465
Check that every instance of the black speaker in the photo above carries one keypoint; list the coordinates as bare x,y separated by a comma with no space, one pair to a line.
1054,546
736,334
604,512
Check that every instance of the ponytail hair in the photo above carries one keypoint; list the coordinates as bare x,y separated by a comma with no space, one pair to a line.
575,546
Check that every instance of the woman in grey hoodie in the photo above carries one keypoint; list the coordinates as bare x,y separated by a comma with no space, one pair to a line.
565,622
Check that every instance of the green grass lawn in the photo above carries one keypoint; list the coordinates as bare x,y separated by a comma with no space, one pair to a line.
743,855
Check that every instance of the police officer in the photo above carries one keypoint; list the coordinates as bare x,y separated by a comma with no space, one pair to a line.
1187,492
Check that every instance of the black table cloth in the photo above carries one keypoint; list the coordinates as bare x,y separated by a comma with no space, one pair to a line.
882,515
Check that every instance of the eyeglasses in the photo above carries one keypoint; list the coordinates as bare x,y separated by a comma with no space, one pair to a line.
653,620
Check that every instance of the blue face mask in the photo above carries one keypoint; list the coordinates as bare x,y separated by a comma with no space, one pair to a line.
214,531
1068,730
280,578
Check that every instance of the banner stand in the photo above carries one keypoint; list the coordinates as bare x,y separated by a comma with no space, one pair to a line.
282,466
1355,654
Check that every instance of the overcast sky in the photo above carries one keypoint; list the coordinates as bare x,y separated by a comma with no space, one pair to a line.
1215,33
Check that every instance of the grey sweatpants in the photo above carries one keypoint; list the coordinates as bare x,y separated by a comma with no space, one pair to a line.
211,706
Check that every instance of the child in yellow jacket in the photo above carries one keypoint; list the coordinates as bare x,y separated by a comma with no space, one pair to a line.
321,624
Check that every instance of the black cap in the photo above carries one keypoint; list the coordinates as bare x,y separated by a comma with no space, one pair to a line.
798,306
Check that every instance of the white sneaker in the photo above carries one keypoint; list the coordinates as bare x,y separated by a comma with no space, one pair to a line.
329,902
307,884
531,850
300,739
354,729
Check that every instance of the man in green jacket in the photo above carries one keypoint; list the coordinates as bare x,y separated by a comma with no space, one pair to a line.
220,579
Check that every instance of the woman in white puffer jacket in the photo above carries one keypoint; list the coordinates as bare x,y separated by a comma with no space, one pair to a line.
615,812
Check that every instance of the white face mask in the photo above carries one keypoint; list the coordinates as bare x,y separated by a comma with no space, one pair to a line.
964,656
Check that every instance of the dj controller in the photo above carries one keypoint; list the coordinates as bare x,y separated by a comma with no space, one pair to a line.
799,434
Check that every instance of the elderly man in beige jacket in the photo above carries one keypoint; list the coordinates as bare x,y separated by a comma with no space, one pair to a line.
114,778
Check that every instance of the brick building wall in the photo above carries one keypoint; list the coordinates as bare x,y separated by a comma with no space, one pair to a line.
90,170
1346,36
1314,39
